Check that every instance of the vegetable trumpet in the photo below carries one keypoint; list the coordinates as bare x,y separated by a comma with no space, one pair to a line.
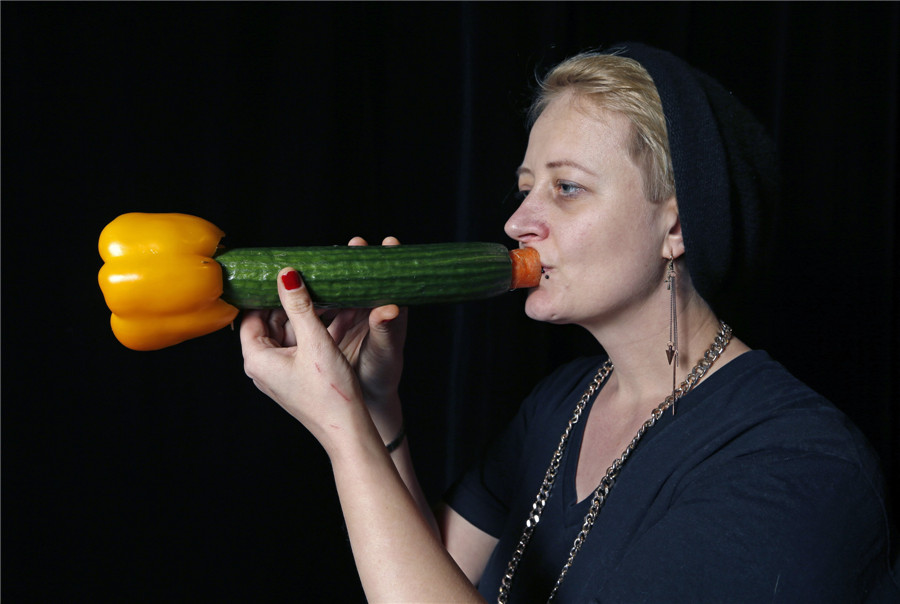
166,280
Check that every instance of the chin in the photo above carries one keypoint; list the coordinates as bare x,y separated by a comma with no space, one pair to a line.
539,307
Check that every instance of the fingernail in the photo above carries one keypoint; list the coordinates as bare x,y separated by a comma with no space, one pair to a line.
291,280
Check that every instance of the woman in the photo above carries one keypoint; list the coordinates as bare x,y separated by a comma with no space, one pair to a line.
639,187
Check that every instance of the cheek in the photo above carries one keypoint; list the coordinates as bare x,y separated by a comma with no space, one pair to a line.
638,237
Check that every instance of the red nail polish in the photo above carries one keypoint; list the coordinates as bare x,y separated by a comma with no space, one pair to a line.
291,280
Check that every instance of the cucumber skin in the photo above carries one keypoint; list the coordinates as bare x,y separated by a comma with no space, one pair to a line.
369,276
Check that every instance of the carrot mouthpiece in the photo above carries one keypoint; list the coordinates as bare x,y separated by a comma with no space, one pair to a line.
526,268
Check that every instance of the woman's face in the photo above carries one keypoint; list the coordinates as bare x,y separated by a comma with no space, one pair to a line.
603,245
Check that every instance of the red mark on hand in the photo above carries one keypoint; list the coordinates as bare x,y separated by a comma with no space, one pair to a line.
344,396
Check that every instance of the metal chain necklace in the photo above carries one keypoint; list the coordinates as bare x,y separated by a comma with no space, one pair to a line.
723,337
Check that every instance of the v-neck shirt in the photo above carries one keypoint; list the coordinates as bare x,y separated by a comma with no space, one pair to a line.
757,488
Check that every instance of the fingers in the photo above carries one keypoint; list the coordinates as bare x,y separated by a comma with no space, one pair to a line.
255,332
348,322
387,327
266,327
386,241
295,301
383,315
387,332
382,318
275,321
279,328
298,306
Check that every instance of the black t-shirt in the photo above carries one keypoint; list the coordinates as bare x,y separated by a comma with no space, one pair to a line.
757,489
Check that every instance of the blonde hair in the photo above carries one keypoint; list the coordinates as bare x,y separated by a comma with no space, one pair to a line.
618,84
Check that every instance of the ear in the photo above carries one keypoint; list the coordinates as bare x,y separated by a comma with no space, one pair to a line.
673,243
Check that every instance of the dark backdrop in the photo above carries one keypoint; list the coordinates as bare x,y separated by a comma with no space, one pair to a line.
166,475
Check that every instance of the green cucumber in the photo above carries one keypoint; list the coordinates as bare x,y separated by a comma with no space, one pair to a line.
368,276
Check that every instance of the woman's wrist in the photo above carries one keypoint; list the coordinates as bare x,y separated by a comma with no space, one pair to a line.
397,440
387,415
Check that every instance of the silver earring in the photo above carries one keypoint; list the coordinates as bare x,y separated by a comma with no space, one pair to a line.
672,347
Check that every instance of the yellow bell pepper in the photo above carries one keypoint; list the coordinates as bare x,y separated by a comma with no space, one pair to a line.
160,280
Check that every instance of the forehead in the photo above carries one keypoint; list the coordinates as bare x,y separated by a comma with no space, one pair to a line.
574,126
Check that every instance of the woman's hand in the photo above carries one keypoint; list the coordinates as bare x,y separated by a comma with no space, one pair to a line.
313,382
321,382
359,351
372,341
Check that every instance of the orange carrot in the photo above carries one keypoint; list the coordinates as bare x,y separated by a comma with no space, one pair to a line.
526,267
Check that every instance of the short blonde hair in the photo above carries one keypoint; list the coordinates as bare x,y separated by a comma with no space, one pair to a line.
618,84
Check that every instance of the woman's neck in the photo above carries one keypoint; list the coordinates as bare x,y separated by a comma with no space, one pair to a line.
637,348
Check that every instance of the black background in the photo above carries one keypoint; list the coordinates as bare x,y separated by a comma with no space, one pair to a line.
166,475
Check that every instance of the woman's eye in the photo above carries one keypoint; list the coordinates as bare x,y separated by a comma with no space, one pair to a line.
568,189
521,195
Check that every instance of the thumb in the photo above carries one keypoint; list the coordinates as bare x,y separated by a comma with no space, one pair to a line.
387,326
297,303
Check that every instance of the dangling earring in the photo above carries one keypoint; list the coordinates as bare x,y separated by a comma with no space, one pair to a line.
672,347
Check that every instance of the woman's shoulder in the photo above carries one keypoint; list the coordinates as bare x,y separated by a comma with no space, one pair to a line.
754,401
755,383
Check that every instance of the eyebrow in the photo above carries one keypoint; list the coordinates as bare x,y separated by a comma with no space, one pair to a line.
558,164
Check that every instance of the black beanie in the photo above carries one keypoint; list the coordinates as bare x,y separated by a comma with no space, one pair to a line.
725,170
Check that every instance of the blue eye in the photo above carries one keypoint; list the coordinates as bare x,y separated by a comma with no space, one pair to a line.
568,189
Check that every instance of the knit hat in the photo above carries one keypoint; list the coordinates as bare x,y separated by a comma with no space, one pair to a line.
725,170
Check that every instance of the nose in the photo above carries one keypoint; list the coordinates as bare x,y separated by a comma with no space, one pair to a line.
528,223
